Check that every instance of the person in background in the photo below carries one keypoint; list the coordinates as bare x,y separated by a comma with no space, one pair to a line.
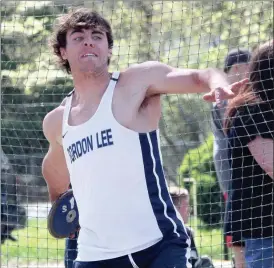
249,126
235,66
181,199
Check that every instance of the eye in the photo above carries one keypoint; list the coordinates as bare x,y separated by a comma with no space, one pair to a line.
78,38
96,37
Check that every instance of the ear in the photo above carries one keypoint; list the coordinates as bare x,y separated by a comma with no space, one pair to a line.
109,53
63,53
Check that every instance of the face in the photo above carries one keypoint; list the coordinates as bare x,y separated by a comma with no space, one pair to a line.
87,50
184,209
238,72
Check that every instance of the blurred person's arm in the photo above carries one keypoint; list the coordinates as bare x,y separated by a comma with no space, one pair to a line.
220,149
262,150
54,167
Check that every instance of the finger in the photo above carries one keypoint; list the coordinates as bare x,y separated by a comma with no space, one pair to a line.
244,81
72,236
209,97
237,85
227,94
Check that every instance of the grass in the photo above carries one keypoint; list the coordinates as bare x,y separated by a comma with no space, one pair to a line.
208,241
36,245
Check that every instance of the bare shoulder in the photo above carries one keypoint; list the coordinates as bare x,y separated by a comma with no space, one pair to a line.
146,73
137,79
52,124
147,68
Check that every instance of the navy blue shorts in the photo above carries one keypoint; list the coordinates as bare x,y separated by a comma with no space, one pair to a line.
164,254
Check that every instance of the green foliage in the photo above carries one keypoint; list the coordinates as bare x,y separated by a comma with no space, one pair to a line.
184,115
21,125
198,164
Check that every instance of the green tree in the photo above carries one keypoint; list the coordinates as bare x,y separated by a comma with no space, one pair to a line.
198,164
26,77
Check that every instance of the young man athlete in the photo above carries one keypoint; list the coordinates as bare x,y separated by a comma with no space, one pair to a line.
104,140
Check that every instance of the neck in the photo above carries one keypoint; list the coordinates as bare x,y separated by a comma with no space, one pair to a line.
90,86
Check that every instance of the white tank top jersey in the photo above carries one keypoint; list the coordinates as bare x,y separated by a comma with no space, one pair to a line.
118,183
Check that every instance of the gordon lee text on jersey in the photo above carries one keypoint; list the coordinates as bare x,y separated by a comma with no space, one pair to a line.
88,144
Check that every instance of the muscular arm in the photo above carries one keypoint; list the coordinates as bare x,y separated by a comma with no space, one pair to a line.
164,79
262,151
54,168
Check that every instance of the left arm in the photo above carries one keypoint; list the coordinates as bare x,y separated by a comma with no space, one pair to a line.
262,150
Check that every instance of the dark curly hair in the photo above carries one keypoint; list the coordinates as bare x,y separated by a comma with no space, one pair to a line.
82,18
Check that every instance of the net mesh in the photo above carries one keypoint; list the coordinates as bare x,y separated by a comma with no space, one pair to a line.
182,34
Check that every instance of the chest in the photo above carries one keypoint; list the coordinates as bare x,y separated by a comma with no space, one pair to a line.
130,110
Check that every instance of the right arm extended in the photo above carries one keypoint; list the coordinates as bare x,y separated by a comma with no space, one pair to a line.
54,168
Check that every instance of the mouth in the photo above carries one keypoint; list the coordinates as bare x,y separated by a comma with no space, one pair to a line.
88,55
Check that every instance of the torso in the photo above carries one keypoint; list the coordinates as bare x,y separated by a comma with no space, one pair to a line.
113,156
252,190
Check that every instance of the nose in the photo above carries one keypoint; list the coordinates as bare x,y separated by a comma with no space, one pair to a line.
88,44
